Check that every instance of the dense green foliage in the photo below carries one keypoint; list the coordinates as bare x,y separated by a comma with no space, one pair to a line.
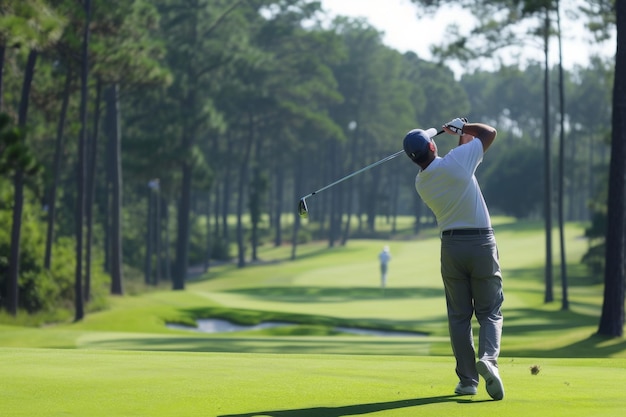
239,108
43,290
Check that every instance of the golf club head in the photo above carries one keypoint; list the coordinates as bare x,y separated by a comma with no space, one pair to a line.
303,210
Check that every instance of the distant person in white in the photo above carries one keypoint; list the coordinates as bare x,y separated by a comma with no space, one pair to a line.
384,256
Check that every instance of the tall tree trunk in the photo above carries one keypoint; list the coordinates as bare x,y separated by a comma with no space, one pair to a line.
333,233
354,129
256,195
157,235
81,177
565,300
297,186
226,191
254,241
58,152
2,54
395,192
114,171
182,238
547,169
241,246
254,203
92,157
278,206
217,203
346,230
612,318
18,197
149,234
105,206
243,172
208,241
168,244
184,207
16,230
374,193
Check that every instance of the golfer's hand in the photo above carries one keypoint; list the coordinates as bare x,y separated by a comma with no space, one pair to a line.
455,126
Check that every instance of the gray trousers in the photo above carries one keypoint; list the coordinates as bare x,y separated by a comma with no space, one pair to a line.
473,285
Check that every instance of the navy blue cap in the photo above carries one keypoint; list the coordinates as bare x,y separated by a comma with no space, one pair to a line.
417,144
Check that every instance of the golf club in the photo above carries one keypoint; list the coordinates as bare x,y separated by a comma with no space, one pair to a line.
303,209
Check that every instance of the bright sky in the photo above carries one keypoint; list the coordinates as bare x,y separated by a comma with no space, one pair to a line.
404,31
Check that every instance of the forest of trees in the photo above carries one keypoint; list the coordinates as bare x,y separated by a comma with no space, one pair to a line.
140,137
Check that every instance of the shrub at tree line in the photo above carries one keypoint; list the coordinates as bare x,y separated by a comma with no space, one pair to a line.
42,290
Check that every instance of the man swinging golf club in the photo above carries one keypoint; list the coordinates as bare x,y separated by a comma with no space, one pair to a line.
469,257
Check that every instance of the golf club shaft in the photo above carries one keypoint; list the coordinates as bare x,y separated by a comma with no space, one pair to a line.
388,158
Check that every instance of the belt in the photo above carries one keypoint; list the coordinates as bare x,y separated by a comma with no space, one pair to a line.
467,232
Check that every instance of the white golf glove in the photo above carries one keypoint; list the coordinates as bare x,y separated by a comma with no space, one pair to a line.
456,125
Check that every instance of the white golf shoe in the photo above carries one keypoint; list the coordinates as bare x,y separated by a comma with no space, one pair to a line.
493,383
465,389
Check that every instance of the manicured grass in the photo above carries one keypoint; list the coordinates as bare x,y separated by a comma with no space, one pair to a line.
325,287
50,382
125,362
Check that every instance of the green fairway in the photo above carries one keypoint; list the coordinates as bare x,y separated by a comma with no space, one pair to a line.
125,361
48,382
325,288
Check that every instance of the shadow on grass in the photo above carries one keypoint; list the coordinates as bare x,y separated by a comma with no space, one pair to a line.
521,321
352,410
577,276
245,344
594,346
336,294
601,346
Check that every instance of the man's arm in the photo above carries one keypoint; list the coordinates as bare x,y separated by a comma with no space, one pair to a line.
465,138
468,131
485,133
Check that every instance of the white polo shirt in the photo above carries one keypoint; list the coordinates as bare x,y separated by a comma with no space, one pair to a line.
449,187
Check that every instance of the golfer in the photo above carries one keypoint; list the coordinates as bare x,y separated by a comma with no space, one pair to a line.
469,256
384,256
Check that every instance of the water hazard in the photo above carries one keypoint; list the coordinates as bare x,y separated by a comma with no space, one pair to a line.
225,326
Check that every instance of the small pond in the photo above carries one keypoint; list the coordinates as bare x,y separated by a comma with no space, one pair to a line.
224,326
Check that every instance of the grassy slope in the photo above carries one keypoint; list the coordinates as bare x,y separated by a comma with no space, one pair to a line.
392,376
325,286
